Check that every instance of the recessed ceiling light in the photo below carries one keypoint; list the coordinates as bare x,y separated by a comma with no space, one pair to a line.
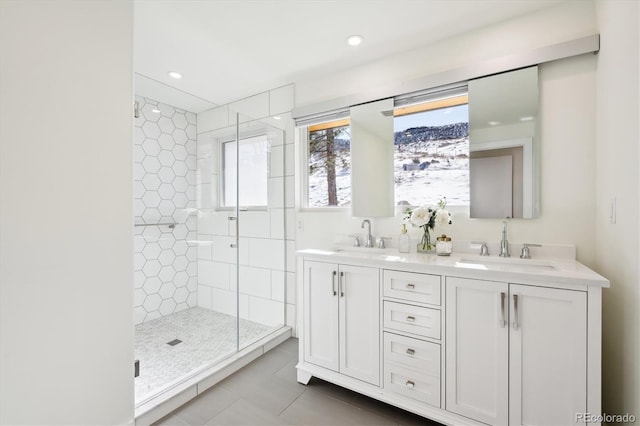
354,40
175,74
527,118
493,123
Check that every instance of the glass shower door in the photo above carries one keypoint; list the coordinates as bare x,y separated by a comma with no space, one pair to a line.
261,243
217,231
242,226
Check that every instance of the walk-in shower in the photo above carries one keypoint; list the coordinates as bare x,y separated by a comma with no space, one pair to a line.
210,264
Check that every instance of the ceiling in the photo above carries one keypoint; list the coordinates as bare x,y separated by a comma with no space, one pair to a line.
230,49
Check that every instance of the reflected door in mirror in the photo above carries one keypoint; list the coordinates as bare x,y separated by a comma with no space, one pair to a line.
503,110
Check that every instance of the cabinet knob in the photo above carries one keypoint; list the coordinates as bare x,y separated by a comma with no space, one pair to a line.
411,351
411,319
411,286
410,384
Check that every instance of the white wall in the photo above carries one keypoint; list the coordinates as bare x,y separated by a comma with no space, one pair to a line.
617,165
66,323
568,21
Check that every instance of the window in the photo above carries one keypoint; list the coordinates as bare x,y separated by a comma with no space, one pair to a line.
431,152
329,162
252,168
430,156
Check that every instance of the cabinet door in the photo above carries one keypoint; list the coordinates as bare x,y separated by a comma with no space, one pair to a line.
548,355
359,297
321,314
477,336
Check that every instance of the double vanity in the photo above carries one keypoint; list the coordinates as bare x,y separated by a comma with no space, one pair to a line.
462,339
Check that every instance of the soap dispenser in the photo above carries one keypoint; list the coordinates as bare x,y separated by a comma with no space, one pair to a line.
404,241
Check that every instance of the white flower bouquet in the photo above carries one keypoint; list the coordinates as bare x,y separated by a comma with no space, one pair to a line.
427,218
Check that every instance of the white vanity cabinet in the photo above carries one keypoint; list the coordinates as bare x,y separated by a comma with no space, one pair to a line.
516,354
342,319
459,340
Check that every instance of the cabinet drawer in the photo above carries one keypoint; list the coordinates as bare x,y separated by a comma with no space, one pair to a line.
412,319
412,287
410,383
413,353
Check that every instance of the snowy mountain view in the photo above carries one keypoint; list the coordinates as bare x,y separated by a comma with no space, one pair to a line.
430,162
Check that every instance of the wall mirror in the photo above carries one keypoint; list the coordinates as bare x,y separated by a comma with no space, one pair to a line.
372,189
503,162
502,153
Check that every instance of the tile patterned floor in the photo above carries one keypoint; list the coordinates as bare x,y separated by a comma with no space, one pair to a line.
266,392
206,336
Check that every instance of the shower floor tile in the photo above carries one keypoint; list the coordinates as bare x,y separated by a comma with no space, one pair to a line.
205,337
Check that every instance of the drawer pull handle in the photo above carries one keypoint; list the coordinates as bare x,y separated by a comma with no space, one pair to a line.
411,286
411,319
411,351
410,384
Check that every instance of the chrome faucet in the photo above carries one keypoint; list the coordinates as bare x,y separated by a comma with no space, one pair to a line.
369,242
504,244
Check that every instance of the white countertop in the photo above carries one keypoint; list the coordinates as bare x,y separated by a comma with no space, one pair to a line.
544,271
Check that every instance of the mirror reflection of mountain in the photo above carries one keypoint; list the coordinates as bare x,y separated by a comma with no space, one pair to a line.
430,133
419,134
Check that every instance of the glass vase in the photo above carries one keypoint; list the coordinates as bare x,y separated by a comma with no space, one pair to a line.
425,246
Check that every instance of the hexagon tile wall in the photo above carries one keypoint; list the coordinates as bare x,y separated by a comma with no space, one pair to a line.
164,192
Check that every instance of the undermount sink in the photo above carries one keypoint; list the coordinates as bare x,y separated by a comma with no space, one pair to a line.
505,262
